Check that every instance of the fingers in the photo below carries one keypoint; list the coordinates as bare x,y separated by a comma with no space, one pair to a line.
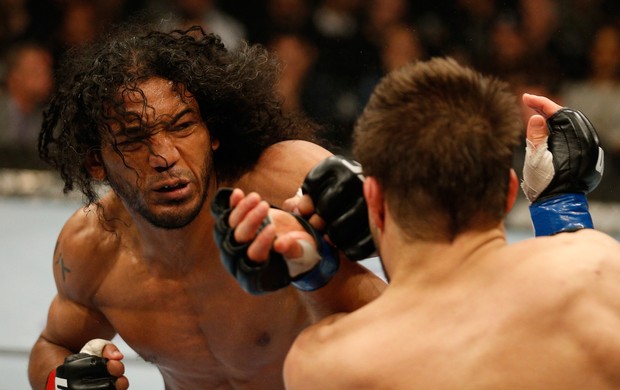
110,351
542,105
300,252
260,248
236,197
537,131
306,208
305,205
283,225
288,244
247,215
292,204
122,383
115,366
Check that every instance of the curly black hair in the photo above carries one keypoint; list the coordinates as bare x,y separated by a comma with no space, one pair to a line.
234,90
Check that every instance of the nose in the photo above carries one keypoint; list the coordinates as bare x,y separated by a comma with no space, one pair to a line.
163,151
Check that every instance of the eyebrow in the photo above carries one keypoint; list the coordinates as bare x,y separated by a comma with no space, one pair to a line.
129,130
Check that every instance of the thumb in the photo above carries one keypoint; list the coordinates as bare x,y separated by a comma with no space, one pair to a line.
537,132
110,351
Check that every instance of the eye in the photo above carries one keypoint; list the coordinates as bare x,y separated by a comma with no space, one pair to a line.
130,144
183,128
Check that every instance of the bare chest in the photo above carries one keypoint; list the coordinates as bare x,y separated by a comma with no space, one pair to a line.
202,325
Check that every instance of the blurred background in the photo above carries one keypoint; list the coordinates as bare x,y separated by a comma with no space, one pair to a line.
333,52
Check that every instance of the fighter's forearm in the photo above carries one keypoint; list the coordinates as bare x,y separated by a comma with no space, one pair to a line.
44,357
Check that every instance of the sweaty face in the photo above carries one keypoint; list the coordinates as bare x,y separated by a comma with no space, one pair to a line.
165,163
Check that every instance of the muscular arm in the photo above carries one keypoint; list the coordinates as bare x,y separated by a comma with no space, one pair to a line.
70,324
279,175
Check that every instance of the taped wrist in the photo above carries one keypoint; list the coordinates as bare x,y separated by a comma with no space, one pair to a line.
322,272
538,170
304,263
561,213
95,347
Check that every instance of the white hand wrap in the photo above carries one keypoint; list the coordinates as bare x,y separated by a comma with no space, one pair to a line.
95,347
304,263
538,169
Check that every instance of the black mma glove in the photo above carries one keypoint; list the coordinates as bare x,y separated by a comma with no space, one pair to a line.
336,188
576,169
81,371
263,277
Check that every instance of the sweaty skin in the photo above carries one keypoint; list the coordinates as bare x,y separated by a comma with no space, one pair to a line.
164,290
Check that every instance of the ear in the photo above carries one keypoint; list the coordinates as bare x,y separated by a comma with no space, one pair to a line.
215,144
513,188
375,201
94,165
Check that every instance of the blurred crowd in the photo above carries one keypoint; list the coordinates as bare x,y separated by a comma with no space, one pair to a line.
334,51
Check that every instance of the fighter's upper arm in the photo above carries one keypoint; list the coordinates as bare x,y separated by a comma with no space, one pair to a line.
71,325
72,319
281,170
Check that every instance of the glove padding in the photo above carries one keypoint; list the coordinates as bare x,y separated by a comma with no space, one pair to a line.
336,188
576,156
262,277
82,371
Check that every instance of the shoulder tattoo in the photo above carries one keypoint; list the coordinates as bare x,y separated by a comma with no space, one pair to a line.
63,268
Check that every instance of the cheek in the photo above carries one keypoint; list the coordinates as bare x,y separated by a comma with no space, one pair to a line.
194,149
125,166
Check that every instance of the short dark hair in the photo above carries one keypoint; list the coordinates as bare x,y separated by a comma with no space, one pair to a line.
234,90
439,138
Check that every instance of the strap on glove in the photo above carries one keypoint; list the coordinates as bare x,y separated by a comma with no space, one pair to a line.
336,188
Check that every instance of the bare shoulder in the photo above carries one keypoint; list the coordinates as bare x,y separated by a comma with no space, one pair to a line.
595,316
84,250
336,353
282,168
312,360
578,276
588,247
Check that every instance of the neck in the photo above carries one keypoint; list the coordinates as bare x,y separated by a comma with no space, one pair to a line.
425,263
180,247
176,250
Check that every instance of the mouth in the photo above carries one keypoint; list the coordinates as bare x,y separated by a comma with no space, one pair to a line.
171,187
173,191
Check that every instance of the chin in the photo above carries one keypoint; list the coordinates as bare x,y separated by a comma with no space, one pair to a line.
175,216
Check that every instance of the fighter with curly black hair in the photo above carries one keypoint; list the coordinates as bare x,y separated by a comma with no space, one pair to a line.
233,89
164,120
